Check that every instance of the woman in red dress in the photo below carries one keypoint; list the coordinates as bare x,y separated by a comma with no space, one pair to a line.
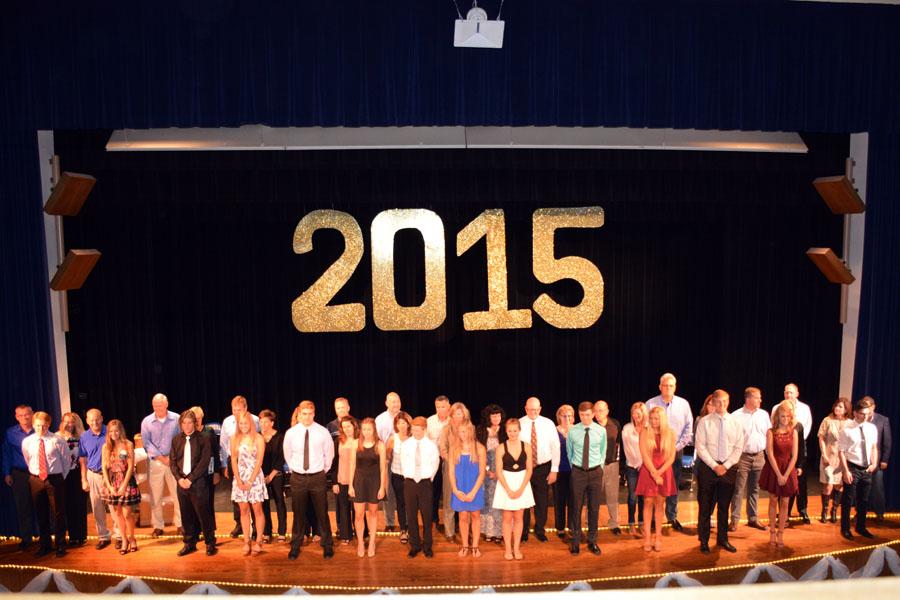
779,474
655,479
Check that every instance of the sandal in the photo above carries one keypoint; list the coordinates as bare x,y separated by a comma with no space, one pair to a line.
772,537
779,539
125,548
246,550
282,539
507,556
267,539
133,545
519,556
256,549
464,551
476,552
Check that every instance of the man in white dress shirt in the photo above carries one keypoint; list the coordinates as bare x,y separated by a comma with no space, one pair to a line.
540,432
226,432
384,426
755,422
803,415
858,449
420,459
309,452
47,457
719,443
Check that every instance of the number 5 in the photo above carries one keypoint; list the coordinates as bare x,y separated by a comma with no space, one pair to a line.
549,269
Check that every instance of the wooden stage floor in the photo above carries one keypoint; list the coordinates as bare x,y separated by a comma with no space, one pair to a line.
546,566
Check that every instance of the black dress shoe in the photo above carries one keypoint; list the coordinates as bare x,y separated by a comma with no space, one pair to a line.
413,552
727,547
616,531
756,525
102,544
574,549
43,552
180,531
560,534
156,533
328,552
236,532
428,553
847,535
594,548
804,516
541,536
704,548
187,549
524,538
294,553
865,533
60,552
24,546
212,550
676,525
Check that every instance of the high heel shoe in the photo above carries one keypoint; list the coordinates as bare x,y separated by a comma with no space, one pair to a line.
132,545
246,550
361,550
125,547
779,539
371,552
772,541
657,544
648,543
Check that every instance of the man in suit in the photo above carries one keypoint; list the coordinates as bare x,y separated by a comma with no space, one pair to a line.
212,474
883,427
189,461
47,457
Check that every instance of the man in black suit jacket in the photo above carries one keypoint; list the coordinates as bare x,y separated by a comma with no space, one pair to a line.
189,461
883,425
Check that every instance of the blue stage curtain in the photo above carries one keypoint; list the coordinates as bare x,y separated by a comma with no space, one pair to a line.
878,342
27,362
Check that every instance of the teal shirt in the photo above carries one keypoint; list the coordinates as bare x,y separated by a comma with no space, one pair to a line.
596,439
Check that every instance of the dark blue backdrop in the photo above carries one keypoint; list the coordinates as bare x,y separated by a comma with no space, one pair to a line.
704,64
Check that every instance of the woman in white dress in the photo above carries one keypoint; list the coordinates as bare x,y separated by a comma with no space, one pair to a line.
513,494
248,488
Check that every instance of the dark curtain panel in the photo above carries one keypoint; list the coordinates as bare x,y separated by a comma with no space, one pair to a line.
27,363
702,256
878,341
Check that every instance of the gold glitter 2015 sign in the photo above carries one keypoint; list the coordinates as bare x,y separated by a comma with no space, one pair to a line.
312,313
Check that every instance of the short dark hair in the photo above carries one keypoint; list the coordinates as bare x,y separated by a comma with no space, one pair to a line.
267,414
586,405
189,415
864,402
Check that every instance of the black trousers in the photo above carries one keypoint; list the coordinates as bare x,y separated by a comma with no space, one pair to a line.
195,514
76,507
49,498
21,491
563,510
541,491
858,493
211,489
306,491
714,491
586,485
343,512
400,495
276,495
419,497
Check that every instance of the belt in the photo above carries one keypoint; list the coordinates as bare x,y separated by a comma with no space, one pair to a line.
586,470
542,464
419,481
96,471
752,453
307,474
860,467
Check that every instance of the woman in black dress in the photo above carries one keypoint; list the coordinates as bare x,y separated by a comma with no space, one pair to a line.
273,470
368,482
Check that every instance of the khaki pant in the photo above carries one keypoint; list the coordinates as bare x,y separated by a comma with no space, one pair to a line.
160,476
98,506
611,492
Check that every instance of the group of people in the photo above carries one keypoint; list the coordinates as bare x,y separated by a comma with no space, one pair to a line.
494,477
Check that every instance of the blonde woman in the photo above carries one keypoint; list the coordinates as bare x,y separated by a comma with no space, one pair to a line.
70,430
631,445
779,474
248,488
562,487
656,481
368,483
468,459
120,487
831,475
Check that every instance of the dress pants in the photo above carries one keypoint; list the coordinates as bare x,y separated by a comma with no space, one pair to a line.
276,495
586,485
418,497
714,491
746,484
211,490
856,493
193,505
98,506
635,502
611,492
541,491
563,510
400,495
390,507
876,497
49,498
21,491
672,501
343,516
446,497
76,506
161,478
310,490
437,484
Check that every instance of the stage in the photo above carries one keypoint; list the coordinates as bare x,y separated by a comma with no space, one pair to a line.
546,566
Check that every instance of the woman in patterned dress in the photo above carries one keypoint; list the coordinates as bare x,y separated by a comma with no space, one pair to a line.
491,434
120,487
248,488
831,475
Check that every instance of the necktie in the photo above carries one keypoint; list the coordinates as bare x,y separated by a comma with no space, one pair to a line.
865,457
534,456
186,466
306,451
723,444
43,469
418,472
585,450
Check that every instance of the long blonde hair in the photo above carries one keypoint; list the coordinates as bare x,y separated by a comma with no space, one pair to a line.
645,422
109,446
456,444
79,425
666,435
776,414
239,435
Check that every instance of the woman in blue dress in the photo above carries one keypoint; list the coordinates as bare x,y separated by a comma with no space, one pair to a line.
467,467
